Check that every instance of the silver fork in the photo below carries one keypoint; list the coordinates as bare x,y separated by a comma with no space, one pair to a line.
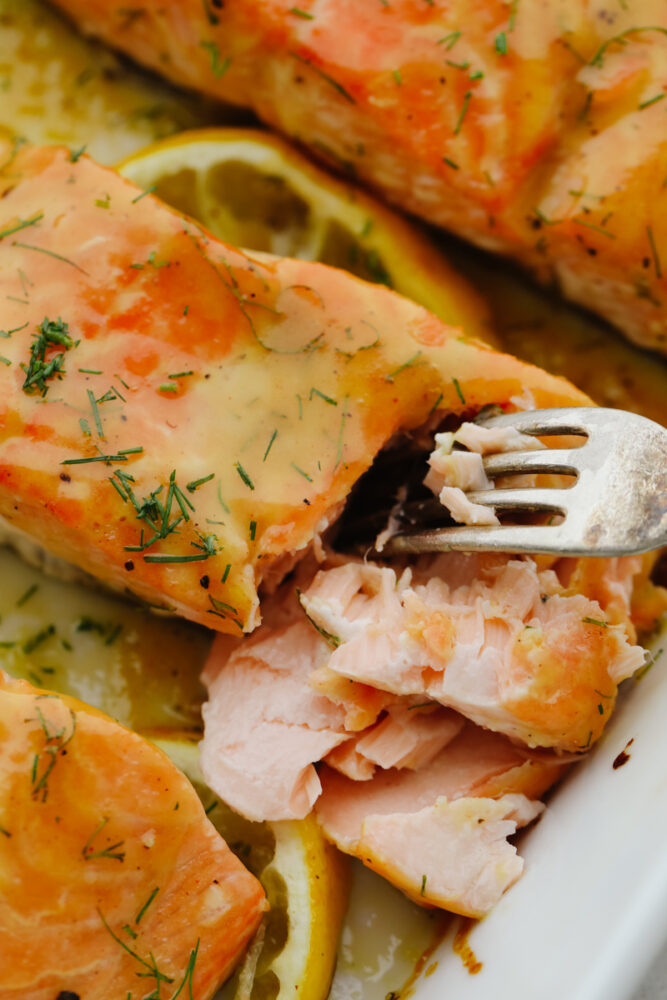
616,506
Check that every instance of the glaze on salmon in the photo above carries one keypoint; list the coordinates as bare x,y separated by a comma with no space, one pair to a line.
533,129
179,418
111,875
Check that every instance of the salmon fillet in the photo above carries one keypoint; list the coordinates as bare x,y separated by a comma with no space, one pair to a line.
536,130
109,868
180,418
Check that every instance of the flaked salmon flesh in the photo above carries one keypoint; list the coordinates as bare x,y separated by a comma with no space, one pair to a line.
426,793
451,473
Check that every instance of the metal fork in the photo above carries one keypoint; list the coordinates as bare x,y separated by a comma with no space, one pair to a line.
617,505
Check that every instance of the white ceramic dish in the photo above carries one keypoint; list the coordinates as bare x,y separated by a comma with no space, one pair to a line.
589,914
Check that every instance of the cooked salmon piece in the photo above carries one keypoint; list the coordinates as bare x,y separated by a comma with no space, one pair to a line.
181,419
440,833
112,879
265,727
452,854
407,736
452,472
511,650
536,130
350,709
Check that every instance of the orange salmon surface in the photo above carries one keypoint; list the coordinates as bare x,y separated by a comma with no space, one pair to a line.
112,879
538,130
180,418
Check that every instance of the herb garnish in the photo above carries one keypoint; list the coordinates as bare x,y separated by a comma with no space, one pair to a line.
157,514
196,483
270,444
329,637
222,610
450,40
22,224
121,456
51,333
244,475
148,902
620,39
436,405
459,391
96,413
49,253
325,76
143,194
651,100
341,431
27,595
152,966
327,399
597,229
301,472
7,333
110,851
31,644
218,66
406,364
55,741
464,111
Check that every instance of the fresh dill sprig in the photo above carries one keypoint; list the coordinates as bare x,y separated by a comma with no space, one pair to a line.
50,334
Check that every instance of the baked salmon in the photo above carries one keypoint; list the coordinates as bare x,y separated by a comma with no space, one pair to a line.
112,879
440,833
536,130
180,418
422,711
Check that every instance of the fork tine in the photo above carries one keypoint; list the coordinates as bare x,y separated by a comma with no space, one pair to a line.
563,420
562,460
506,538
529,498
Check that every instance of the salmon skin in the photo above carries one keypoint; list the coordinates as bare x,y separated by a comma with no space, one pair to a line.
536,130
109,868
180,418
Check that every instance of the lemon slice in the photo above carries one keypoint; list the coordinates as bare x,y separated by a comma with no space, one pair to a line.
254,190
306,882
